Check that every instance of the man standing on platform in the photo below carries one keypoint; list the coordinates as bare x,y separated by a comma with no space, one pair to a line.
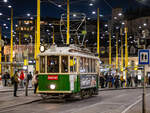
16,81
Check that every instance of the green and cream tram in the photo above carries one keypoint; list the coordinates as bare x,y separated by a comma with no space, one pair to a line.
68,71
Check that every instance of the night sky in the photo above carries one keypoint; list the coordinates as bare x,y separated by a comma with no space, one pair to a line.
22,7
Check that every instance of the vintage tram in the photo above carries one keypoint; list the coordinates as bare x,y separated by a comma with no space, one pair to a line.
67,71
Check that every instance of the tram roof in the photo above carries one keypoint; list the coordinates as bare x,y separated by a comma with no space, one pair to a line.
69,51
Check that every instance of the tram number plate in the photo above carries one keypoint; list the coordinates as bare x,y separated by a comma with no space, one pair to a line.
52,77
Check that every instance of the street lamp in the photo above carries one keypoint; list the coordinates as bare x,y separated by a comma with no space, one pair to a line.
9,6
28,14
5,1
91,4
1,14
93,12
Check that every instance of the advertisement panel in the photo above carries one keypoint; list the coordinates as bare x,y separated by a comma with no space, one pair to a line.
87,81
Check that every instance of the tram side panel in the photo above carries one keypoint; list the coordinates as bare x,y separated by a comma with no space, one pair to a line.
66,83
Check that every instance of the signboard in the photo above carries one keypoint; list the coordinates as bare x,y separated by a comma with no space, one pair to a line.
87,81
52,77
144,55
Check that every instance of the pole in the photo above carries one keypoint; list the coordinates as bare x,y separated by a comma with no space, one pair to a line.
143,96
0,50
68,23
11,55
110,48
121,50
144,88
126,55
38,35
35,44
53,35
117,51
19,38
98,40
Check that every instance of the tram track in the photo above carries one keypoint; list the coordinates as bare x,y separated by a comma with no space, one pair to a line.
14,107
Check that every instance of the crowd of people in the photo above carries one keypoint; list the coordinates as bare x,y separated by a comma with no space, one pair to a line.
115,81
20,79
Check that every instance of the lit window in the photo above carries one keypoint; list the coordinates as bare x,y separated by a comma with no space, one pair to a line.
64,64
21,28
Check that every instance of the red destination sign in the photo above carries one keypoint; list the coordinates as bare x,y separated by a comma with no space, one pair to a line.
52,77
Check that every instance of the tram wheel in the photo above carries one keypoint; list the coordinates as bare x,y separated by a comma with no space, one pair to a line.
90,93
82,94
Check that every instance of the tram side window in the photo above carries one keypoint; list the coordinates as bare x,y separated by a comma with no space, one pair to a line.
87,65
82,70
93,65
64,64
90,66
53,64
73,64
42,64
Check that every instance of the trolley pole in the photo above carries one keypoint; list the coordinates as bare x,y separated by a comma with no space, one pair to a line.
53,35
68,23
98,39
11,55
38,34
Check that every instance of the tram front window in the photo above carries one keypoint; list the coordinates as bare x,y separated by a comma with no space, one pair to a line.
64,64
53,64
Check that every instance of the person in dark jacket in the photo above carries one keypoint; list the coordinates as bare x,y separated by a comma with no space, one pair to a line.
116,81
102,80
16,81
149,79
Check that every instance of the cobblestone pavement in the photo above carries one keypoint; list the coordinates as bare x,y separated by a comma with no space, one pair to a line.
118,101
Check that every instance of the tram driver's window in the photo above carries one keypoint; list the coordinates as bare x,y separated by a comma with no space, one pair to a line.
64,64
42,64
53,64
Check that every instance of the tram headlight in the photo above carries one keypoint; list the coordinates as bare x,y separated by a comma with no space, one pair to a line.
52,86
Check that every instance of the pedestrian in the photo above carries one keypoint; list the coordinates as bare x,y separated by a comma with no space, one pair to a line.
102,80
35,81
149,79
128,81
106,80
110,80
29,79
22,79
136,81
5,79
8,79
122,81
28,82
16,81
116,81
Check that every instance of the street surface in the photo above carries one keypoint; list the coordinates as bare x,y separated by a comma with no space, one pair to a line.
110,101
